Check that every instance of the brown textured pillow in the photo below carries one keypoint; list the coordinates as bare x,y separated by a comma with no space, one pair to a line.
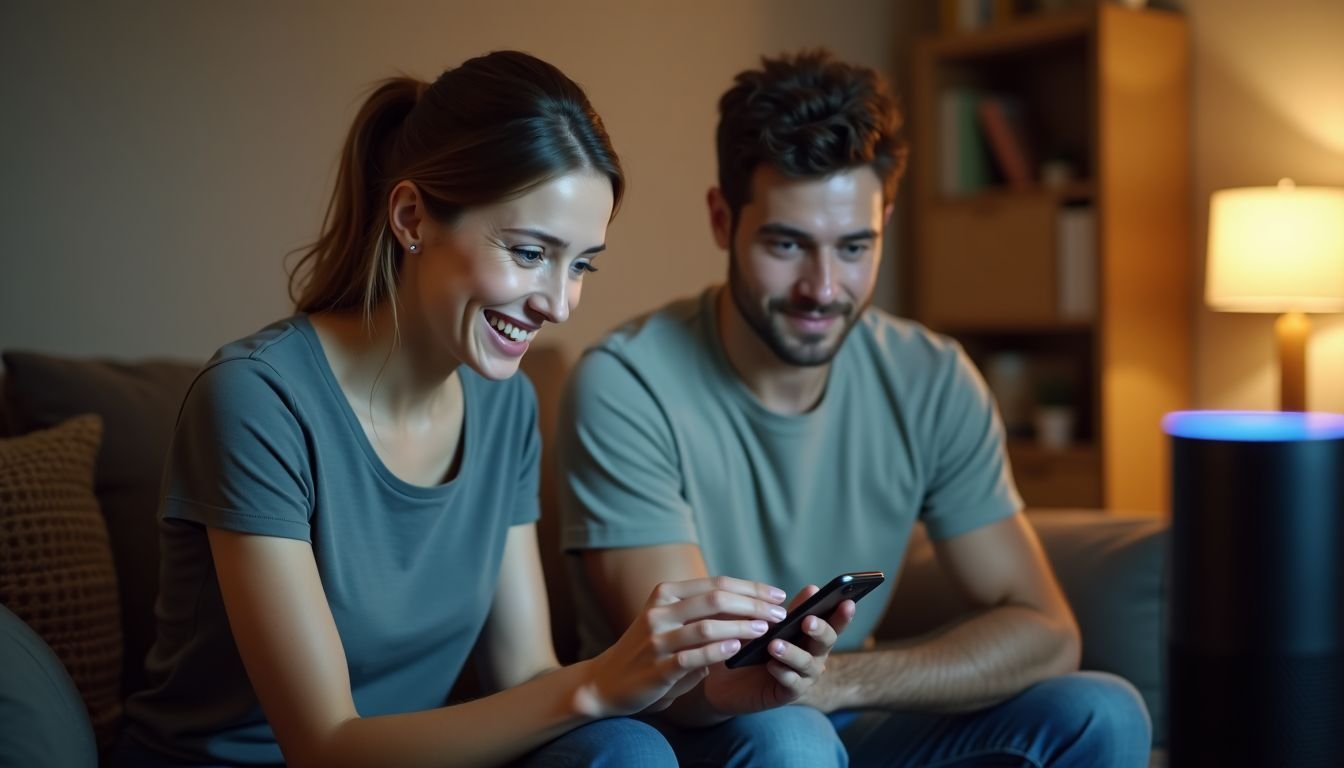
56,568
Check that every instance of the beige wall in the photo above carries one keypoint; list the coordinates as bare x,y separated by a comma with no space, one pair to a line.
1269,102
160,157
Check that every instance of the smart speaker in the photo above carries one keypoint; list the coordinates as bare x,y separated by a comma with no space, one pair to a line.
1255,646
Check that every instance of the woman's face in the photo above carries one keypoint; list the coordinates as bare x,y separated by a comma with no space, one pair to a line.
483,286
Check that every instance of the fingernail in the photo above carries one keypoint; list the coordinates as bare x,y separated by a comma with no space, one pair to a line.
759,627
777,594
778,612
731,646
777,649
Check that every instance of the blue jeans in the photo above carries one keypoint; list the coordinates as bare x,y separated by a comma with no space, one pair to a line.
1084,719
613,743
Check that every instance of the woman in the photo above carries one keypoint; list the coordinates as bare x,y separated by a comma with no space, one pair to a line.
351,494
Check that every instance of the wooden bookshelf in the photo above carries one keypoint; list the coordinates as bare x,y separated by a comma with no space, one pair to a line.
1106,88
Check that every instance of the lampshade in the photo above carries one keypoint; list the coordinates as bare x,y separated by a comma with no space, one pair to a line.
1276,249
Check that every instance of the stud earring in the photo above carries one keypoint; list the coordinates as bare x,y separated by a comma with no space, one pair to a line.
414,247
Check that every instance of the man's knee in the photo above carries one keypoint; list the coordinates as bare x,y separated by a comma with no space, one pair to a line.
612,743
1103,714
786,736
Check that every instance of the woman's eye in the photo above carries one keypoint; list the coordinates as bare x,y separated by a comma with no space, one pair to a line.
528,255
580,267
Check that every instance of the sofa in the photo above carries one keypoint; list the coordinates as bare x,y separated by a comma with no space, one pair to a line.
1111,566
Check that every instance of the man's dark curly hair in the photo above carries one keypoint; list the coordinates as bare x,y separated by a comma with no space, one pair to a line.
807,115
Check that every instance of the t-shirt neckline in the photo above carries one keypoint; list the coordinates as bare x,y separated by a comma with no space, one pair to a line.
738,389
469,439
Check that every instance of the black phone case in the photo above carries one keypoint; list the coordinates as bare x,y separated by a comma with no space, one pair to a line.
849,586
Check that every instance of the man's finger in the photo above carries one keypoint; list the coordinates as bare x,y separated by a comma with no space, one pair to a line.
803,595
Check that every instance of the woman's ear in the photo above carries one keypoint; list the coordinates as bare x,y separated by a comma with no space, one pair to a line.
405,211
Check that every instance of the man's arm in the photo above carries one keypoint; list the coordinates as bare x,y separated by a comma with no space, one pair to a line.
1024,634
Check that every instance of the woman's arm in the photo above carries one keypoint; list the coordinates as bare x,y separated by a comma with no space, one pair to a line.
295,660
515,644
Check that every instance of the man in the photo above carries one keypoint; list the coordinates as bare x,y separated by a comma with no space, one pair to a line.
778,428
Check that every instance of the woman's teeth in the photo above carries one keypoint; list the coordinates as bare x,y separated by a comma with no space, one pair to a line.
510,330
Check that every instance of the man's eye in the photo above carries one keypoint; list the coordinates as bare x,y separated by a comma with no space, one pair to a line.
784,246
528,255
854,250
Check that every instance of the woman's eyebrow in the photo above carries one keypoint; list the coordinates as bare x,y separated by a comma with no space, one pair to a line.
549,239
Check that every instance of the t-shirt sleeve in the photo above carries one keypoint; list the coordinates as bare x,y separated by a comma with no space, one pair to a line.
619,476
239,459
527,503
971,482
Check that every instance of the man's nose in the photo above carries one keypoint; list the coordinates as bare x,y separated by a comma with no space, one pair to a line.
818,280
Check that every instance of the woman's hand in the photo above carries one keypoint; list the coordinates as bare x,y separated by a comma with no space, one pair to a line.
684,628
791,671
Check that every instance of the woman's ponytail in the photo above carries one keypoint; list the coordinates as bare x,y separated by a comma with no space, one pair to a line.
355,248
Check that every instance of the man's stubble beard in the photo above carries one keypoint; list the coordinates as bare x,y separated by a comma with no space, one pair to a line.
759,322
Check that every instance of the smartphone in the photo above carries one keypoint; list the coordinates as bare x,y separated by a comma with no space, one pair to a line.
848,586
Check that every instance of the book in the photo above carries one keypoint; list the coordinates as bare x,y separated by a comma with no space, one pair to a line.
963,157
1076,262
1001,120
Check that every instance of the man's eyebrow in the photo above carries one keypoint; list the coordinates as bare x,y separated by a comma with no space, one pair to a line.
863,234
549,239
784,230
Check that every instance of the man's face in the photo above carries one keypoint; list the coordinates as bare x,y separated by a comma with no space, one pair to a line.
803,259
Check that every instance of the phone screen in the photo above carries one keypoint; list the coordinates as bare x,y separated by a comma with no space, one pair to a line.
848,586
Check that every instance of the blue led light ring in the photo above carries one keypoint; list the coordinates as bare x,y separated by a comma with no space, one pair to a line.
1254,426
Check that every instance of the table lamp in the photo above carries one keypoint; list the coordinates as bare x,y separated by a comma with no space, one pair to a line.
1278,249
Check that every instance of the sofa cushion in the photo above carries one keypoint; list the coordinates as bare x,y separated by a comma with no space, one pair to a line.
139,404
6,428
1112,569
42,719
56,571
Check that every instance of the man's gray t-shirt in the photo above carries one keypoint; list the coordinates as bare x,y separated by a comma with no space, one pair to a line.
660,442
267,443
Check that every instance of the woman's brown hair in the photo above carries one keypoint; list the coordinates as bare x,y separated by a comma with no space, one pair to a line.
487,131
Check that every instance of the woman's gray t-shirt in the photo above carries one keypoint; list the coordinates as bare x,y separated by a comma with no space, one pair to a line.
267,443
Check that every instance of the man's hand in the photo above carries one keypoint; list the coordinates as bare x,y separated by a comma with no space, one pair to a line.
791,671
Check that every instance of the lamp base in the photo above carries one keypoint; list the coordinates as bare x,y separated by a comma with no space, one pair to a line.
1291,330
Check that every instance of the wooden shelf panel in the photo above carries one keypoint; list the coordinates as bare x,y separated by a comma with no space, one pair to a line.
1021,35
1081,191
1054,478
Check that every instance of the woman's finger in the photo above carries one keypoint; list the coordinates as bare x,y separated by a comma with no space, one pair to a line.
678,664
717,603
672,591
707,631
